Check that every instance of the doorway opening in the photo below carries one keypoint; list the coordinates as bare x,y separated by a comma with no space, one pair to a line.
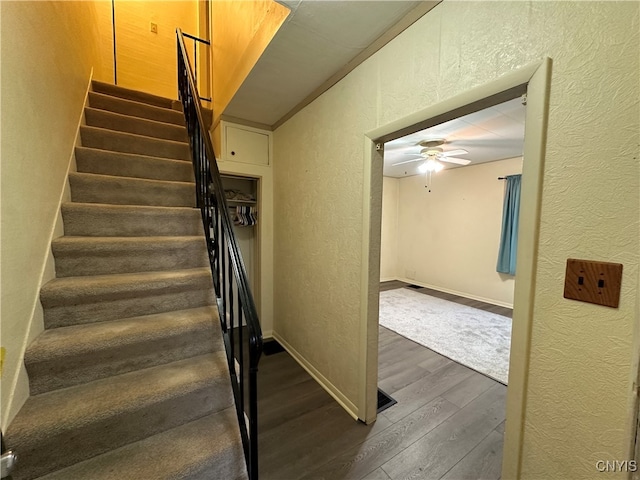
533,81
445,306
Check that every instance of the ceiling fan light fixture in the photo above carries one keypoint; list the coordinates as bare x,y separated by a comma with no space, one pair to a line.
432,165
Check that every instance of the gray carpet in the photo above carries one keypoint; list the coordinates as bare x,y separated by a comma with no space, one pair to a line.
129,380
472,337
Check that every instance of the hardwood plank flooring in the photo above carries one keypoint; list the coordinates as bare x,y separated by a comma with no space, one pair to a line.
448,422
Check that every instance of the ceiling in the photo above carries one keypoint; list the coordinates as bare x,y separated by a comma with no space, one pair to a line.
495,133
321,41
318,40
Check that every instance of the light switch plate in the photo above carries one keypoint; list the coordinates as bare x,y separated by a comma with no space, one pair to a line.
593,282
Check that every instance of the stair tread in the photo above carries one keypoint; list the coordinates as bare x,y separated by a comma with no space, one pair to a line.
79,242
103,138
132,180
142,97
127,208
137,125
106,220
120,104
61,342
209,447
64,410
84,289
132,135
132,156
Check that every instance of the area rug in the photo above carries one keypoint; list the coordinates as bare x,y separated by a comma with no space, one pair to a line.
475,338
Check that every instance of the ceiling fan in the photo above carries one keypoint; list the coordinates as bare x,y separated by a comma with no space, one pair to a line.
433,153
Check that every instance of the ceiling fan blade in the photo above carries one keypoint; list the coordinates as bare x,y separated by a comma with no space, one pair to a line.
458,161
407,161
416,154
453,153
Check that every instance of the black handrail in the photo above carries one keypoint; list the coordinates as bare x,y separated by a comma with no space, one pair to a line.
197,40
243,343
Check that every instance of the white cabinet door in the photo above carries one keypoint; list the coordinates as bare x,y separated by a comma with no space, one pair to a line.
246,146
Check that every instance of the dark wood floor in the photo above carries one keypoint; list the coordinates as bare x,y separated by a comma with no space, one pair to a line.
448,422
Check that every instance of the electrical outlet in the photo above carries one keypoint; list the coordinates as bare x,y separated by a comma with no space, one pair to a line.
154,27
593,282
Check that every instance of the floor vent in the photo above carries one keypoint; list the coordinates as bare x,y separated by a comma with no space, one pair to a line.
271,347
384,401
416,287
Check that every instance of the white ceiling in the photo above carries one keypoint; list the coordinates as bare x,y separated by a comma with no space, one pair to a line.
317,40
491,134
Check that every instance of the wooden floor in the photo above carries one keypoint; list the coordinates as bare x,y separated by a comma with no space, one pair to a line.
448,422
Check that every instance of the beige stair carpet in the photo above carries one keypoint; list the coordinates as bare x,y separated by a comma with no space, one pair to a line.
129,380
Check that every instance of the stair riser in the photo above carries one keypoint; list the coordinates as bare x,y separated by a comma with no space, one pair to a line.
65,315
82,262
117,223
127,143
135,109
121,191
135,96
104,162
62,449
138,126
74,370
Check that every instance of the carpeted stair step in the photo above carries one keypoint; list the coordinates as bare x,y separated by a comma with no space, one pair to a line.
136,96
135,109
67,356
57,429
92,188
79,300
105,139
213,443
77,256
94,219
106,162
139,126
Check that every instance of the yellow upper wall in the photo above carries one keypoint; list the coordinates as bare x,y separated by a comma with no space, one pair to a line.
145,61
241,31
48,50
580,398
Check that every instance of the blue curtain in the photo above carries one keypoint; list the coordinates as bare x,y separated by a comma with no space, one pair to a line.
510,220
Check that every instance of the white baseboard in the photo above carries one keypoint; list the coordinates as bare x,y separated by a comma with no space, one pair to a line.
388,279
455,292
318,377
267,334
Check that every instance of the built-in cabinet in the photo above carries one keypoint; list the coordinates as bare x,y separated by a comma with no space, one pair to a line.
246,144
245,162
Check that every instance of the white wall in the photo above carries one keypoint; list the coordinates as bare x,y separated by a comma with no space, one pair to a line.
448,238
583,358
389,236
48,50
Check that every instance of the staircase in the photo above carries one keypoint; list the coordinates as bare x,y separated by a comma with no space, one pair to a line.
129,380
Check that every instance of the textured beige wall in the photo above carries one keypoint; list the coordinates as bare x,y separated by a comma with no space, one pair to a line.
241,31
448,238
147,61
579,403
48,50
389,237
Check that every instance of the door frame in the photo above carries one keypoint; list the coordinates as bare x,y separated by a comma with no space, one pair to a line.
534,80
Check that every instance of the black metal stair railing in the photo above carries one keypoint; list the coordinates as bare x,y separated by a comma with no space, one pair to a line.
238,316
